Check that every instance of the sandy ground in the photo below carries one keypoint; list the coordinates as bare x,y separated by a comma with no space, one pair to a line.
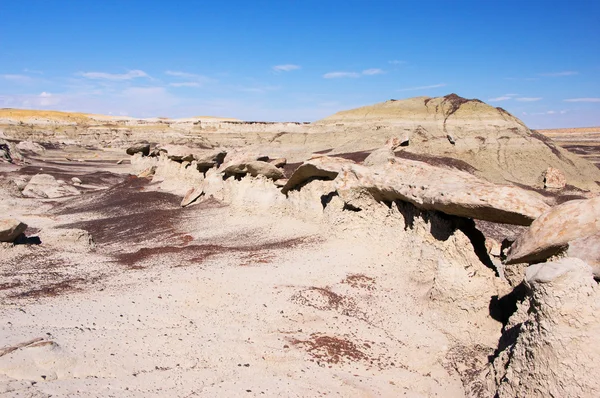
204,301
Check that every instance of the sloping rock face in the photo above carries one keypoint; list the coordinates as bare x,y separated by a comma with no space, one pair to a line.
554,229
432,188
319,167
558,345
497,144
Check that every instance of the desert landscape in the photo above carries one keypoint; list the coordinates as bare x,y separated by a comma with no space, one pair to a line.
424,247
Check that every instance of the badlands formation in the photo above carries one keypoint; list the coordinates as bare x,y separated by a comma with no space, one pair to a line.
429,247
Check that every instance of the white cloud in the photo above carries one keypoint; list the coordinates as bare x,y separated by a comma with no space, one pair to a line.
396,62
132,74
528,99
559,74
185,84
372,71
337,75
591,99
259,89
191,79
286,68
551,112
501,98
424,87
17,78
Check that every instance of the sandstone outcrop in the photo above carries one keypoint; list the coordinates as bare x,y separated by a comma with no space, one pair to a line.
46,186
253,168
433,188
318,167
143,148
588,250
10,229
553,230
558,343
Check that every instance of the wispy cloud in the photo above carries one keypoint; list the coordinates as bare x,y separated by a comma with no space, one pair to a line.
528,99
185,84
504,97
17,78
372,71
559,74
132,74
37,72
286,68
191,79
259,89
338,75
423,87
396,62
589,99
501,98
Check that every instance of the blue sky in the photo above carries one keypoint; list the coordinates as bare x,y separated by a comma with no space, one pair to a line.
300,60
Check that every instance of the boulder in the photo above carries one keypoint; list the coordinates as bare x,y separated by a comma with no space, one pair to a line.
179,153
317,167
554,178
31,147
588,250
76,181
209,160
70,240
148,172
279,162
142,148
433,188
379,156
553,230
46,186
554,349
254,168
191,196
10,229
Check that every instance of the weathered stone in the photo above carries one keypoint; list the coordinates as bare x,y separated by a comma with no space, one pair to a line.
317,167
31,147
379,156
557,347
210,160
142,148
10,229
46,186
588,250
191,196
148,172
75,180
554,178
553,230
433,188
254,168
279,162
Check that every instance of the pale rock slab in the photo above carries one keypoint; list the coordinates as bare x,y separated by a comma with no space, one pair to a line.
317,167
432,188
46,186
554,229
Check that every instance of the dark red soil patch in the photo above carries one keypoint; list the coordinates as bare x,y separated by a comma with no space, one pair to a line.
199,253
331,349
357,157
51,290
9,285
360,281
438,161
324,151
289,169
